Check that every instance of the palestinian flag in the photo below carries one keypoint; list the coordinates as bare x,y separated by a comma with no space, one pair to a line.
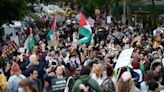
84,30
51,34
29,43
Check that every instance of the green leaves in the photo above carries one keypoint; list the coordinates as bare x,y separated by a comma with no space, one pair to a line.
89,6
11,10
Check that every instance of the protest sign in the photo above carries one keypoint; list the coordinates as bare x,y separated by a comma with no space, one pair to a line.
91,22
109,19
124,58
10,48
158,31
54,41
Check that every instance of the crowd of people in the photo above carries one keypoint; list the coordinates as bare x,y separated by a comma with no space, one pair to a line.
86,67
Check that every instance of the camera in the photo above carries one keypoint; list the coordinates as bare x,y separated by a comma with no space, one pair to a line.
53,62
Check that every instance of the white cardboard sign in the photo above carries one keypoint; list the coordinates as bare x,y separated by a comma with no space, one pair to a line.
124,58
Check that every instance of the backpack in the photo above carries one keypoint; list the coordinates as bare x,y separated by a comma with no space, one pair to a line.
19,88
67,88
108,85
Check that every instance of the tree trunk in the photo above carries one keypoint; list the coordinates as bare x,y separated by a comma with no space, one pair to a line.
155,15
129,14
117,14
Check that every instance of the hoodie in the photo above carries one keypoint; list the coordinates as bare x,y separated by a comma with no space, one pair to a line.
92,83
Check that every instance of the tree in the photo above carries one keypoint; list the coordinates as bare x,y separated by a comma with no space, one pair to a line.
89,6
155,14
11,10
127,11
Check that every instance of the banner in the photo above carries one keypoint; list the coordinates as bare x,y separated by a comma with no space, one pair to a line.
124,59
10,48
53,43
91,22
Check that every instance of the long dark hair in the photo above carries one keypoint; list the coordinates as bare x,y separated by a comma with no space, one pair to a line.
33,88
30,84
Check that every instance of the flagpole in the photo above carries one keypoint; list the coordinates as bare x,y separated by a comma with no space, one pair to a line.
78,44
55,32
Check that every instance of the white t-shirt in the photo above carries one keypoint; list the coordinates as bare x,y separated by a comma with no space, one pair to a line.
99,80
144,87
14,81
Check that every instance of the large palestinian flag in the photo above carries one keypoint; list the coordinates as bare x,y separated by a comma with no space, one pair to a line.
84,30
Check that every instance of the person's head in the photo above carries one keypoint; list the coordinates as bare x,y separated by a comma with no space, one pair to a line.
97,69
124,85
35,49
63,52
59,70
159,51
109,71
86,70
72,51
52,53
92,63
28,86
102,42
33,73
2,64
57,53
91,55
156,67
153,85
33,59
15,69
109,57
73,71
85,53
136,65
157,77
148,76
